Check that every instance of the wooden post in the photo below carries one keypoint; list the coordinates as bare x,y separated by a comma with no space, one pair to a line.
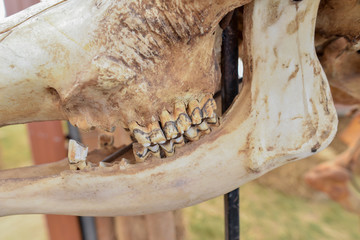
48,145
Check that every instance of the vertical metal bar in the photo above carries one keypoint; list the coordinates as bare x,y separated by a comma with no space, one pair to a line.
87,224
230,88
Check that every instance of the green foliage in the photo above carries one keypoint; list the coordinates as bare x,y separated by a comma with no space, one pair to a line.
14,147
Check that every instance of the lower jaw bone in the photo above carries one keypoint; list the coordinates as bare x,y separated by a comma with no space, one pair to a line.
283,113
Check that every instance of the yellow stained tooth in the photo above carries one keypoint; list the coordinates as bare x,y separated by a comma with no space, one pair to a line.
154,148
140,133
168,125
195,112
208,106
192,134
168,148
213,120
179,141
203,126
183,121
140,152
156,134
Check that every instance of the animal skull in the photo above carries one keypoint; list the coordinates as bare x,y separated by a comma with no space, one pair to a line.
142,64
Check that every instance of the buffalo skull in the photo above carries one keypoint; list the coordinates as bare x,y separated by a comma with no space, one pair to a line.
152,68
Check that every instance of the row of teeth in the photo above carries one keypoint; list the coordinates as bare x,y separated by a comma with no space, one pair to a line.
174,129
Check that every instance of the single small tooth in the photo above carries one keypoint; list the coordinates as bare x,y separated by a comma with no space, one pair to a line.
213,120
140,133
77,154
192,134
157,135
168,125
168,148
208,106
105,164
194,112
140,152
203,126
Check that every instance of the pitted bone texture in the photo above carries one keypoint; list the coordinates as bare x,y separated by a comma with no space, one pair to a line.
184,124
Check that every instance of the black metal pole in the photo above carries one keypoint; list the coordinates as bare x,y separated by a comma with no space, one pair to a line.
87,224
230,88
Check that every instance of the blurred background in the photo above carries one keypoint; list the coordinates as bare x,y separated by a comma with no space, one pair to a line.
279,205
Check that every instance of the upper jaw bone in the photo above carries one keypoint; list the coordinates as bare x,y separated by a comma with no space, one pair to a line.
283,113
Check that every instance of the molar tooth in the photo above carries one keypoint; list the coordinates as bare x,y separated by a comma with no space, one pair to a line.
179,141
183,121
213,120
140,133
156,135
203,126
168,125
140,152
194,112
154,148
192,134
168,148
208,106
77,154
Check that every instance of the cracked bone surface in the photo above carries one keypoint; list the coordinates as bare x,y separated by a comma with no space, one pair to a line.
284,111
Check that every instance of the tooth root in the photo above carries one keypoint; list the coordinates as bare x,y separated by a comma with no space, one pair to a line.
179,109
194,112
168,125
140,133
77,154
157,135
203,126
208,106
168,148
156,154
192,134
140,152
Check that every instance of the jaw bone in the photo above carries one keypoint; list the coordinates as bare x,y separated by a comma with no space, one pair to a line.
283,113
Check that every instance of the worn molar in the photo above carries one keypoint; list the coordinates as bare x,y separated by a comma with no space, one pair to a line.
161,140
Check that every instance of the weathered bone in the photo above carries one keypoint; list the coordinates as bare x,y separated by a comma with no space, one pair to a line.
283,113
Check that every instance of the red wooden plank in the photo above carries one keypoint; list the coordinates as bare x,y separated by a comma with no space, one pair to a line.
48,145
13,6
